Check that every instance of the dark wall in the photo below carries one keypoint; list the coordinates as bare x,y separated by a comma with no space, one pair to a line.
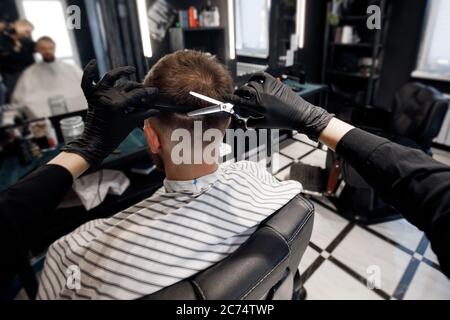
83,35
310,57
402,48
408,23
8,10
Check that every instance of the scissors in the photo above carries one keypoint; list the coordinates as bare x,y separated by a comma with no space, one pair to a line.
218,106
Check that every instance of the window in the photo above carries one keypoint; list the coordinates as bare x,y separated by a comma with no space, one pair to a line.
252,28
434,58
49,19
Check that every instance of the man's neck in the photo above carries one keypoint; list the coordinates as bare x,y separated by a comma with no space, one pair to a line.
189,172
48,62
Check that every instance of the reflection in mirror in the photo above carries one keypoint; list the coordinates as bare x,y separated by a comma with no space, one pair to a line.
268,33
287,38
51,85
156,17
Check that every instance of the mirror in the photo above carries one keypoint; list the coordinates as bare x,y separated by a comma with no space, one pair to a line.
48,82
268,33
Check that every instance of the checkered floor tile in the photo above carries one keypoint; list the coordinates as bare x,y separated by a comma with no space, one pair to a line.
391,260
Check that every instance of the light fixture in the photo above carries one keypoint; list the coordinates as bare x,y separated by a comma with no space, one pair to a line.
143,26
300,22
231,36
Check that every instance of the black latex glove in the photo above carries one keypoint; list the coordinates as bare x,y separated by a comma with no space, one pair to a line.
113,112
273,104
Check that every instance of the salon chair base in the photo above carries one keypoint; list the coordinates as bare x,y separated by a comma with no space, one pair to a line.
354,198
364,214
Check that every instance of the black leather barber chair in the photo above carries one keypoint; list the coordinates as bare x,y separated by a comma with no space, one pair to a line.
265,267
415,120
353,197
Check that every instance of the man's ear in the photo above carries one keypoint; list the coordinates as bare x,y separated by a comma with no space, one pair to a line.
228,123
152,137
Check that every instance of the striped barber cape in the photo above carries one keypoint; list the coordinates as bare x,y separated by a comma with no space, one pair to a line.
182,229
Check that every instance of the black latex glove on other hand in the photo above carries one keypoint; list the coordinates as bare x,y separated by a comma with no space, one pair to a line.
272,104
114,110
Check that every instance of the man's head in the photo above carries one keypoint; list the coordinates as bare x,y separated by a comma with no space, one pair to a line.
175,75
46,47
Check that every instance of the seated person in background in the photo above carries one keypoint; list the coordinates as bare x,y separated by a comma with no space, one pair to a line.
203,212
50,78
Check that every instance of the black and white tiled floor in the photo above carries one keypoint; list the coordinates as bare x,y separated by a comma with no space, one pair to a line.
342,255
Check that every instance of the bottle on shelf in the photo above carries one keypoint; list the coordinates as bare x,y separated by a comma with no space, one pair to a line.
51,134
209,16
193,17
215,17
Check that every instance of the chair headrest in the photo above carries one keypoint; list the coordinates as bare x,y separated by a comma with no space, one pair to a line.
419,111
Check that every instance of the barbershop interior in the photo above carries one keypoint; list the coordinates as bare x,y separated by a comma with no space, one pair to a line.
330,173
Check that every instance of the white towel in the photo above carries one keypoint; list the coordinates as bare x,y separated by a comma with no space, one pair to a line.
93,188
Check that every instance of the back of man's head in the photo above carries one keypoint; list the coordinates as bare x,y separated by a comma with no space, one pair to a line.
178,73
175,75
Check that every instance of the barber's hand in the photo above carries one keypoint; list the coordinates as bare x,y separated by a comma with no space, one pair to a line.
113,112
22,29
273,104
